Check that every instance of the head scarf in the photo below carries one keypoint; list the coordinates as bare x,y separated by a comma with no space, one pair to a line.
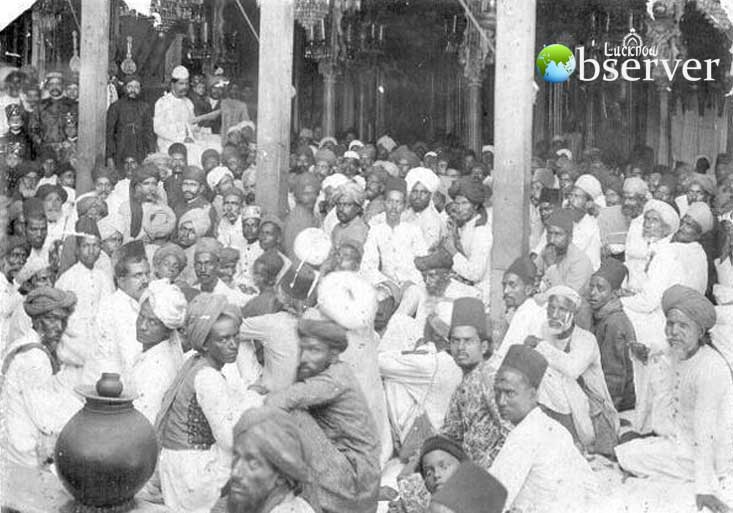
108,226
350,191
527,361
167,301
334,181
565,292
312,246
200,219
390,167
395,184
350,154
46,299
194,173
325,140
210,152
144,172
229,256
613,271
468,311
278,439
86,202
203,311
179,148
347,299
424,176
691,303
251,212
158,220
216,175
471,489
635,186
325,155
170,248
701,213
326,331
666,212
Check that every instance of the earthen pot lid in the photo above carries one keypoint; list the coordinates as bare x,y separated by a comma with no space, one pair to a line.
90,392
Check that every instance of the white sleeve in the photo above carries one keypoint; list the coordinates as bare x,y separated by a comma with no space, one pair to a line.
165,124
212,394
573,363
474,267
512,466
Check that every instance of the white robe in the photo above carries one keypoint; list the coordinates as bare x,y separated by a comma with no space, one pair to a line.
475,264
172,120
694,262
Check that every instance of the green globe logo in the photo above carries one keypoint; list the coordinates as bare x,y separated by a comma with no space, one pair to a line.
555,63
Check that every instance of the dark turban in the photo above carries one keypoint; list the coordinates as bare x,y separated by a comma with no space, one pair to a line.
325,331
180,149
472,489
613,271
203,311
144,172
691,303
194,173
229,256
395,184
525,269
46,299
44,190
562,218
278,439
473,191
131,78
528,362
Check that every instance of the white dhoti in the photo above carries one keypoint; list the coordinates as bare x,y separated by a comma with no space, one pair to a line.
191,480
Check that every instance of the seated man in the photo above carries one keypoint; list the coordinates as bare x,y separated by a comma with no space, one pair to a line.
349,200
162,312
573,353
701,447
265,271
206,262
687,243
539,465
335,420
471,489
270,468
35,404
440,457
472,418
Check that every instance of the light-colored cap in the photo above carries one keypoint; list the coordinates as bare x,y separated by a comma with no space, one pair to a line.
179,73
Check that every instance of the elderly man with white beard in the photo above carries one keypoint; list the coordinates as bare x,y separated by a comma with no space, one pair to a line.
642,304
697,221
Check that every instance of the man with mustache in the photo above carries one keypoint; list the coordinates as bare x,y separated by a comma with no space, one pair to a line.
700,447
206,262
472,419
36,404
46,123
229,231
129,125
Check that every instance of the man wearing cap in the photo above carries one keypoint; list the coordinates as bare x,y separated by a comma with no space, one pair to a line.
472,418
35,273
614,332
585,199
16,140
642,303
422,183
572,353
115,346
35,404
697,222
561,262
11,96
539,464
329,407
174,116
162,313
129,126
392,245
635,196
349,199
206,261
301,216
59,220
250,250
271,469
46,123
700,447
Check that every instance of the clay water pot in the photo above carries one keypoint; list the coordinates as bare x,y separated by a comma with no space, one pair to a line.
108,450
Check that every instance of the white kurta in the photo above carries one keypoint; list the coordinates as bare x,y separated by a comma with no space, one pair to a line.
90,286
116,347
391,252
474,264
429,220
700,448
587,236
152,373
230,234
172,120
35,406
10,299
542,469
694,263
248,253
527,320
191,480
637,253
234,296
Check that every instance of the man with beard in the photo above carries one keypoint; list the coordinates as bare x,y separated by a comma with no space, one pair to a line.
46,125
144,188
349,200
561,262
636,193
271,472
697,221
116,346
206,261
251,249
129,126
193,185
35,404
700,447
421,185
229,230
14,253
13,84
329,406
16,140
548,202
36,228
374,190
302,216
172,184
583,201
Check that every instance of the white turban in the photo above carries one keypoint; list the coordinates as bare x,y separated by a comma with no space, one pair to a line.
566,292
390,167
387,143
167,301
356,143
348,300
332,140
200,219
335,180
108,226
565,153
590,185
487,148
666,212
179,73
240,126
216,175
424,176
701,213
352,155
33,265
636,186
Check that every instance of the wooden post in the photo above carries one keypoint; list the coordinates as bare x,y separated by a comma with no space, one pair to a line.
94,55
474,113
515,57
274,103
38,56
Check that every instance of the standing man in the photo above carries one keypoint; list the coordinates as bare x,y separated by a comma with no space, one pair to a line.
129,126
174,117
46,124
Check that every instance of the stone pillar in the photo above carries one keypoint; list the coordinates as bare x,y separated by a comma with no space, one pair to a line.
364,81
328,124
94,53
347,113
274,103
513,93
474,112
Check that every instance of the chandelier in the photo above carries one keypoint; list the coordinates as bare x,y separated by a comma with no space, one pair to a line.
172,11
309,13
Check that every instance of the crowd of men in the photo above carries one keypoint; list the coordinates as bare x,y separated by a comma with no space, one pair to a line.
341,358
